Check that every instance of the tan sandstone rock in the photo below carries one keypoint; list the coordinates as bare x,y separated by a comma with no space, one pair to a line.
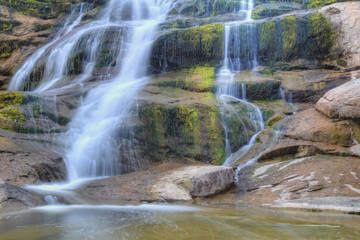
163,183
341,102
345,19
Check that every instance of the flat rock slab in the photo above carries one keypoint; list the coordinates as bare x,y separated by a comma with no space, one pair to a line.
309,177
343,204
163,183
13,198
341,102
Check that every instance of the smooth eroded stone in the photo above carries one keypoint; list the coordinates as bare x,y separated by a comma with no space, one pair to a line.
341,102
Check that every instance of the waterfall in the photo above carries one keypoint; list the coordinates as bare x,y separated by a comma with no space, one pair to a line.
240,53
22,78
95,129
100,139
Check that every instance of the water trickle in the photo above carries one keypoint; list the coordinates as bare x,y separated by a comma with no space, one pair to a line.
51,200
24,78
240,53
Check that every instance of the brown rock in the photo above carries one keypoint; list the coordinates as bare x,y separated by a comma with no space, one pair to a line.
13,198
310,125
345,19
163,183
341,102
310,85
27,162
316,176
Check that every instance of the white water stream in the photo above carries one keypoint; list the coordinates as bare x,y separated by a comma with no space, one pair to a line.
232,64
94,148
21,79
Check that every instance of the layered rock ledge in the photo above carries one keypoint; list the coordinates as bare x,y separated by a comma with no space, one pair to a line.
163,183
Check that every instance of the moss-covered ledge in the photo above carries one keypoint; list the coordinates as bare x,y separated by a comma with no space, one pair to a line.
187,48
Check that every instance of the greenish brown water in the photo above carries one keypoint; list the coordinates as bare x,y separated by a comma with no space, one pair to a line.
175,222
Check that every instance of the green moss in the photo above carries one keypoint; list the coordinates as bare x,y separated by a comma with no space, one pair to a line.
41,27
288,27
7,47
320,31
274,120
268,38
320,3
10,99
45,9
216,143
7,26
187,48
259,12
181,131
9,114
200,79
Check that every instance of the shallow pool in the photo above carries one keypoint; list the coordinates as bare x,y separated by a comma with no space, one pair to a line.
167,221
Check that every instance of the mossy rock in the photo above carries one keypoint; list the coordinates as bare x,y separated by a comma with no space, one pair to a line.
207,8
182,132
10,115
265,12
10,99
38,27
45,9
7,26
274,119
187,48
322,3
197,79
290,38
7,47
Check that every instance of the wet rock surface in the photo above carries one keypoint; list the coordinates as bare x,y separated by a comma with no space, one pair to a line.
309,177
344,204
13,198
25,162
163,183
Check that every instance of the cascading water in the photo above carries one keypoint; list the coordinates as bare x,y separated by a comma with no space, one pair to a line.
100,140
23,78
95,147
240,53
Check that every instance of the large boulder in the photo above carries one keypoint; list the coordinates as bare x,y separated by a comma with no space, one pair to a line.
163,183
341,102
345,19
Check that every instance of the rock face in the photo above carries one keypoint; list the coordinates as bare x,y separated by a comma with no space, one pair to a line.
13,198
310,125
345,19
317,176
341,102
164,183
27,162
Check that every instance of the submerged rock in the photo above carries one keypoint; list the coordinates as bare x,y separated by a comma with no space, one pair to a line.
163,183
343,204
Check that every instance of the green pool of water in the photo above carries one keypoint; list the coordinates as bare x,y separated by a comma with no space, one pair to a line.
152,222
